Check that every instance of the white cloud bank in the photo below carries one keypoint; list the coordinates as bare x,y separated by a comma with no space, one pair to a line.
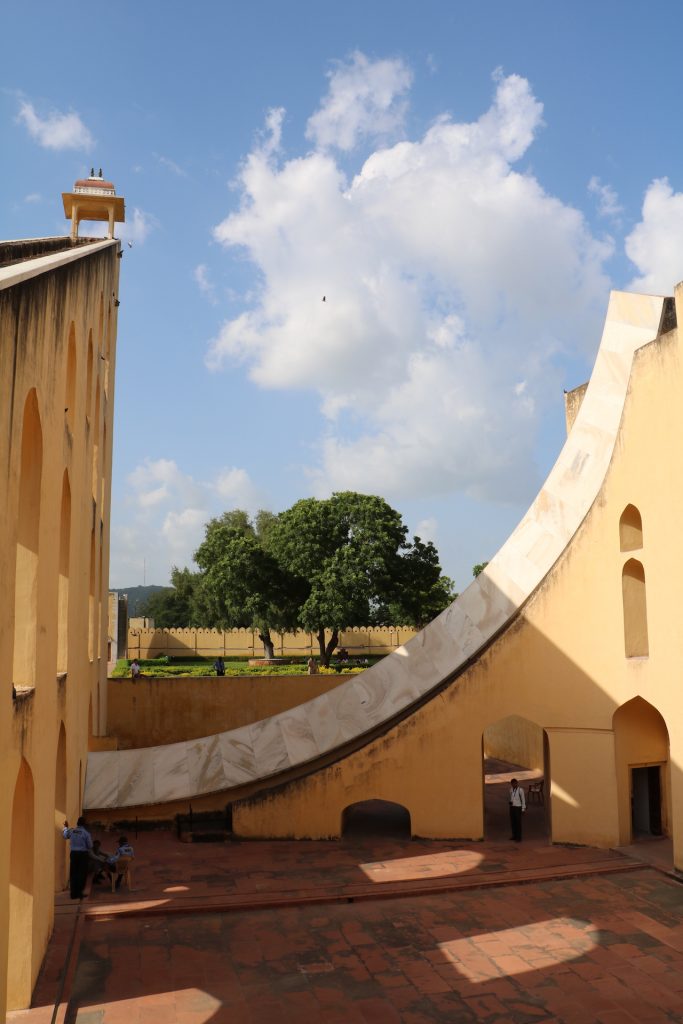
656,244
168,511
57,130
452,282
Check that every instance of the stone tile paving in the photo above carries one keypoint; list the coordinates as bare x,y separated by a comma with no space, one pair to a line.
137,967
605,949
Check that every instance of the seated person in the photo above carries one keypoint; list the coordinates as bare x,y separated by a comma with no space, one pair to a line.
124,849
98,861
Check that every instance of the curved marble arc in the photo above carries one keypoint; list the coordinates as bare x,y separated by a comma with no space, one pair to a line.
295,738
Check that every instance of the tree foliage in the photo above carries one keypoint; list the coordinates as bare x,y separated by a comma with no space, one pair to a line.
321,565
240,582
174,606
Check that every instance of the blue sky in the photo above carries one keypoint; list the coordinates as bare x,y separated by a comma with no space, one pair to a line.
463,182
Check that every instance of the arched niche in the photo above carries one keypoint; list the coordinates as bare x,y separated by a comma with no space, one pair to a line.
96,443
635,610
641,745
64,573
376,818
630,529
28,531
70,383
21,877
88,379
91,598
60,810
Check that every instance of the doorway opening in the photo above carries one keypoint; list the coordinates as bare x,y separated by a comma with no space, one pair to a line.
646,802
516,748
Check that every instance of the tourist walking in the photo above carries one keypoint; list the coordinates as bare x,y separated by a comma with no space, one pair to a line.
517,809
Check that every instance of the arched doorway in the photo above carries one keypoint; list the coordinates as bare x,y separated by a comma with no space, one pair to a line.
20,944
60,810
376,818
641,744
515,747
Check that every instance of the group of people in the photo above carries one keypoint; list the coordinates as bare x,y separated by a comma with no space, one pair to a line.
88,858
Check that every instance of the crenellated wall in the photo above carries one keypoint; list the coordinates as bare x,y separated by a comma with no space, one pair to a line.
186,643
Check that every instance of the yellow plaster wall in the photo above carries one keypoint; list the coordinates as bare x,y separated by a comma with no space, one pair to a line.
154,711
36,319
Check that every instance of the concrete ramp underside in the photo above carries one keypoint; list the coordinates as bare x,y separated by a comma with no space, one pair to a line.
326,730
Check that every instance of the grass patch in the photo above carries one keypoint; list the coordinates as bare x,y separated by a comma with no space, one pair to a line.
169,668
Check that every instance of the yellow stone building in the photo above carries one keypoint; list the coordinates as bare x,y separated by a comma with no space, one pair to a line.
58,316
562,656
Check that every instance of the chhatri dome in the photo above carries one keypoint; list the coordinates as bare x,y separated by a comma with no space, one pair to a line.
93,198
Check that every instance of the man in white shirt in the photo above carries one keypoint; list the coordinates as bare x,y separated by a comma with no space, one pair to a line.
517,808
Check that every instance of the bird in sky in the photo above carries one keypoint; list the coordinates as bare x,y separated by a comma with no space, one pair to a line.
324,298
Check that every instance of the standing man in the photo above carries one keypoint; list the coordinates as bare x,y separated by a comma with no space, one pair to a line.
517,808
80,842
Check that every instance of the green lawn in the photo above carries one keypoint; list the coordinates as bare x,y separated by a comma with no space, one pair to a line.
165,667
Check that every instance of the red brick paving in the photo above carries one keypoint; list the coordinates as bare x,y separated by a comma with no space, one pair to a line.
278,932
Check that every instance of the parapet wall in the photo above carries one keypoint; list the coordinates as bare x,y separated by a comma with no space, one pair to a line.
155,711
209,643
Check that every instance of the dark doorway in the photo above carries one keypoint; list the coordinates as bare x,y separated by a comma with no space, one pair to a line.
646,802
376,818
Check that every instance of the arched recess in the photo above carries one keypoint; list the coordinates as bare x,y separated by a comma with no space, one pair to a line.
515,747
60,810
96,442
28,531
630,529
63,587
70,385
98,627
641,745
100,336
107,352
91,599
103,473
88,379
21,874
376,818
635,610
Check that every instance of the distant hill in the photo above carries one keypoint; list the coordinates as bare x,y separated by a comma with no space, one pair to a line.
138,597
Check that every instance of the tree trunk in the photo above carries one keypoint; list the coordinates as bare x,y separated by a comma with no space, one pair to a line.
268,649
327,650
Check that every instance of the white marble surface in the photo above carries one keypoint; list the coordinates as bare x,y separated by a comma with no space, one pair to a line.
181,771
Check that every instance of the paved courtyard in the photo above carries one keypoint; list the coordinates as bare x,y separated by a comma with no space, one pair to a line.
370,930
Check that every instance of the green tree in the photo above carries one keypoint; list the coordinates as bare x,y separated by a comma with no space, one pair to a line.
478,568
175,606
353,560
240,583
422,590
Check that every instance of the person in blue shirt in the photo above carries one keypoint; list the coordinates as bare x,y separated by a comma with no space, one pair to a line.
80,843
124,849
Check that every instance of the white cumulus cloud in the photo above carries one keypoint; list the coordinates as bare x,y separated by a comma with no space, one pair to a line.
169,509
56,130
365,99
448,277
656,243
608,200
